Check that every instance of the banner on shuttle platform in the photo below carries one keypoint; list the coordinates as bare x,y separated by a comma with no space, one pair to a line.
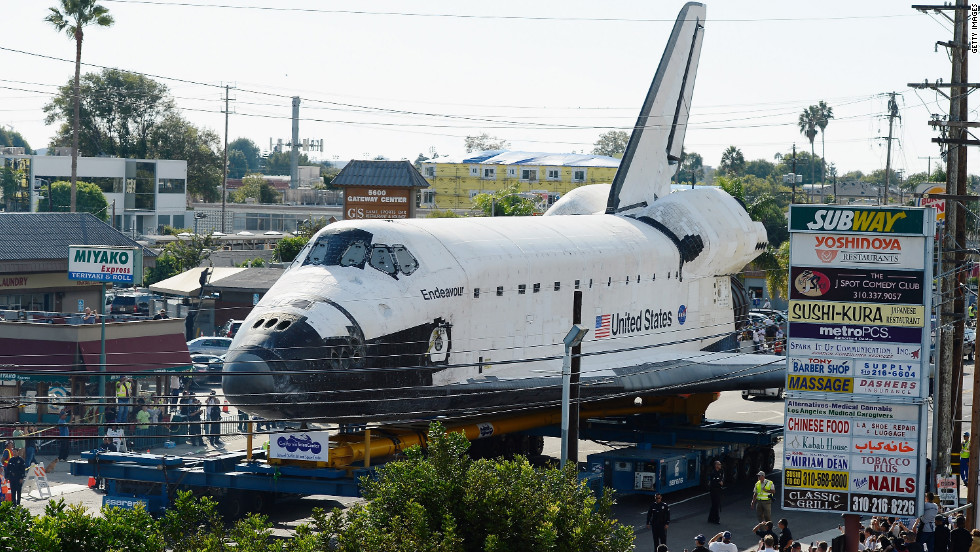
830,218
843,251
856,284
907,316
854,332
850,349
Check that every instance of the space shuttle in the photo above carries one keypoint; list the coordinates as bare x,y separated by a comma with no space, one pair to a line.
415,319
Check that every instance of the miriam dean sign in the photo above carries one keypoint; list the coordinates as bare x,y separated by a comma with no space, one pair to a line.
97,263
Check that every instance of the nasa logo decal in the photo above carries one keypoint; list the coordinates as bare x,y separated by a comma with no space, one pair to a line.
812,283
682,315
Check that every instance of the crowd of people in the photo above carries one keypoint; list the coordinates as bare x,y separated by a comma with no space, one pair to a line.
932,531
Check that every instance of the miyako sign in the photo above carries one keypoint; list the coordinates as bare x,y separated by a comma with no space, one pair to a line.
97,263
829,218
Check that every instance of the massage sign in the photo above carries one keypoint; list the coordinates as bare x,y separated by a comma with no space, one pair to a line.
856,378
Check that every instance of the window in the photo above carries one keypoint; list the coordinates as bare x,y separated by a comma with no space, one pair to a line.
178,221
578,176
576,284
489,172
512,172
474,171
529,174
430,171
163,220
382,260
141,185
500,291
171,185
553,174
557,286
428,197
407,264
537,288
476,293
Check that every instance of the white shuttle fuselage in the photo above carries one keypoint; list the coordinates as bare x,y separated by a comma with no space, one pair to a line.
426,317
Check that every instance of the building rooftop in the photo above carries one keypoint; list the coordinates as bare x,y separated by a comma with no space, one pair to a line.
46,236
380,173
504,157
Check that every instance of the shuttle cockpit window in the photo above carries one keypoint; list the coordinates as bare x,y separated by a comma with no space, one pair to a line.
354,248
404,258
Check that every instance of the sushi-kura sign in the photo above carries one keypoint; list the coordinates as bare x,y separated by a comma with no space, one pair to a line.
99,263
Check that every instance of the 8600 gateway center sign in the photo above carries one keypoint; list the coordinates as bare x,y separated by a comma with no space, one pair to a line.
856,380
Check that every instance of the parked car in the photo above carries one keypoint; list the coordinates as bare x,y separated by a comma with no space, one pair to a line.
779,317
209,365
230,328
773,392
209,346
969,342
130,303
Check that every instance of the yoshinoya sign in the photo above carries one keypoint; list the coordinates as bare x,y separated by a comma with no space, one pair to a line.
830,218
97,263
857,251
863,285
311,446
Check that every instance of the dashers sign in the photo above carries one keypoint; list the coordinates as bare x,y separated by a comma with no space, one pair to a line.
856,381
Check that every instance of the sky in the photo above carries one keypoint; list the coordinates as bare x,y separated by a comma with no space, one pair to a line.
400,78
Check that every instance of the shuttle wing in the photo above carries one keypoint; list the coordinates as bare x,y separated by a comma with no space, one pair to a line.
654,149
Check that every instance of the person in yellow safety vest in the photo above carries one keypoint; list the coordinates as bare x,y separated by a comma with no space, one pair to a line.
762,494
965,457
972,313
124,392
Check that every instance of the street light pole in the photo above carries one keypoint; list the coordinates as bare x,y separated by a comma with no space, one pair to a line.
574,337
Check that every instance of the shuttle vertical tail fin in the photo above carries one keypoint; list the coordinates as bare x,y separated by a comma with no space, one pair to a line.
654,149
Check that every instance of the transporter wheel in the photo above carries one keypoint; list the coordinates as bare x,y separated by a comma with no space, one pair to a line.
232,505
768,460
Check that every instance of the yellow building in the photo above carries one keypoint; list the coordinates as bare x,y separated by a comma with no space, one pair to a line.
455,181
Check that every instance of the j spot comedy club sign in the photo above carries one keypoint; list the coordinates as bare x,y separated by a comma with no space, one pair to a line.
96,263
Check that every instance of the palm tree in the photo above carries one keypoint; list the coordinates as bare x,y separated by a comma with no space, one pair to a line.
732,161
825,114
808,128
72,17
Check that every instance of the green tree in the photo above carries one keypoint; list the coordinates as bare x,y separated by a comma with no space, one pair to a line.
824,114
691,168
251,152
72,18
448,213
257,188
732,162
760,168
808,123
309,227
506,202
612,143
118,113
11,189
485,142
287,249
443,501
176,138
90,199
279,163
237,166
181,255
13,139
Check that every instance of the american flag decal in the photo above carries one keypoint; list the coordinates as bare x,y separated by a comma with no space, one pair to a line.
602,326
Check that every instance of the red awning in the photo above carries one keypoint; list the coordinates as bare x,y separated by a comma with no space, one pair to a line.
36,355
132,354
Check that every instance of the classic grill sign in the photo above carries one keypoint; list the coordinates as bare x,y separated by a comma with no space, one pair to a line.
826,218
105,264
857,313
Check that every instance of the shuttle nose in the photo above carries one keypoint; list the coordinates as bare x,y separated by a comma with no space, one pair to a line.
247,381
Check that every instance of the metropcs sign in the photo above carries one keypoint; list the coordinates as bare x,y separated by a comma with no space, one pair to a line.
96,263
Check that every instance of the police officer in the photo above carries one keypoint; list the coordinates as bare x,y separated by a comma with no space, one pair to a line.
716,484
965,457
658,518
762,494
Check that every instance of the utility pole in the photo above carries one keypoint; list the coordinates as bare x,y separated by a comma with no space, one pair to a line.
794,172
224,173
949,373
892,114
929,169
294,153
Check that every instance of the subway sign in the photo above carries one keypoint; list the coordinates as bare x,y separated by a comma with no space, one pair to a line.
98,263
829,218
